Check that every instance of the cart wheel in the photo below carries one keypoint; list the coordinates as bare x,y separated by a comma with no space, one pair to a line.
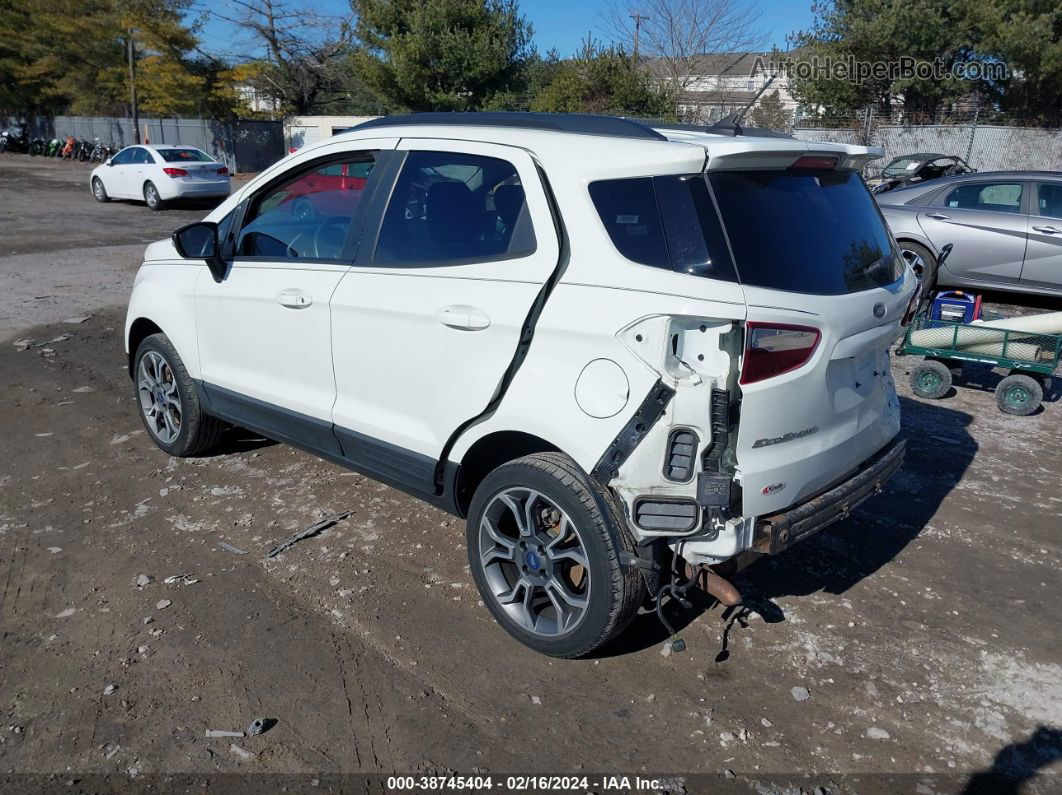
1019,394
931,379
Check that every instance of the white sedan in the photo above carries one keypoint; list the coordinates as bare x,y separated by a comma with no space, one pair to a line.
156,174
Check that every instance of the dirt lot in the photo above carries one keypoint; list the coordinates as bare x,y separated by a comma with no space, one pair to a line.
922,628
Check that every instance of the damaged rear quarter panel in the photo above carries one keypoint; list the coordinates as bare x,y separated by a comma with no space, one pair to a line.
579,324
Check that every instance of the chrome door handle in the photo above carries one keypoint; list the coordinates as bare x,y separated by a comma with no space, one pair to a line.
1048,230
938,216
461,316
294,299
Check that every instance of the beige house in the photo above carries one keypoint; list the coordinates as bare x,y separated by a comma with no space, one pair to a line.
711,87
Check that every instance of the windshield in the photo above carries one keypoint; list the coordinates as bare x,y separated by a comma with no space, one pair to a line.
902,166
805,231
184,156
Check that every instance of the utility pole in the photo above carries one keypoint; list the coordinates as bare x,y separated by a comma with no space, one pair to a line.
132,89
638,20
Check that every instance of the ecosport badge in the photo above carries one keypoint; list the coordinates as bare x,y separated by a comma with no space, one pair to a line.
788,437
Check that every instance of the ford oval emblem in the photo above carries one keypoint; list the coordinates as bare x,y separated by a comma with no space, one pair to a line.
880,310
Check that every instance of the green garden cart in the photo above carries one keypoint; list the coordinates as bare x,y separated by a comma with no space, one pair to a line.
946,346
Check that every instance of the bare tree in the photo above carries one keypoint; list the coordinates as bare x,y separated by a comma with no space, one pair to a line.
673,36
303,53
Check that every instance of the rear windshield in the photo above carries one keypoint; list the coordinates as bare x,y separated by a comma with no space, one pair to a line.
184,156
805,231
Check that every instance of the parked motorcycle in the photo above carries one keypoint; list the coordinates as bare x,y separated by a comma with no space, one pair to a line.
38,146
13,140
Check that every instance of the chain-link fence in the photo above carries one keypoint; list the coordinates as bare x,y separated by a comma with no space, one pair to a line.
241,145
991,146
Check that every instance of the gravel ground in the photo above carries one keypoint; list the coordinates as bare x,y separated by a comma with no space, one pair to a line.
913,647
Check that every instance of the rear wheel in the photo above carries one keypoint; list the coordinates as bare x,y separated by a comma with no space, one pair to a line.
1019,394
99,191
152,198
544,549
931,379
922,262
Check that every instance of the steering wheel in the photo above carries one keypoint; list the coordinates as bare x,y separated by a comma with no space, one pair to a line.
319,241
320,236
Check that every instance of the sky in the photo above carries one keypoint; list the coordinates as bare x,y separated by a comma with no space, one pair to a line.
560,24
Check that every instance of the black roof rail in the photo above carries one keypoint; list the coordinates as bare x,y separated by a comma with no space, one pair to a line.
577,123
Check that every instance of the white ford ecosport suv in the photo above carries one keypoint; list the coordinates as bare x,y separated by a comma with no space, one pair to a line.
623,353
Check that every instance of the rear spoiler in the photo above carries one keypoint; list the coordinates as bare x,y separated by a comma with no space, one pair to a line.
746,152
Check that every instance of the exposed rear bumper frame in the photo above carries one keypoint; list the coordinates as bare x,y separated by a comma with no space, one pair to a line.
779,531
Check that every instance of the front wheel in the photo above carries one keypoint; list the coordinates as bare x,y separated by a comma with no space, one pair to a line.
152,198
544,548
99,191
1019,394
168,401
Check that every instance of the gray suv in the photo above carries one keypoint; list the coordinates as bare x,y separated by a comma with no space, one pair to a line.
1006,228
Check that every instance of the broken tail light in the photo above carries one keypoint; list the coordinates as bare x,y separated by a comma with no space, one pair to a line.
772,349
175,172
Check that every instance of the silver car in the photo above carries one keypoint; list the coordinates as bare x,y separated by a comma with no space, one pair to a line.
1006,228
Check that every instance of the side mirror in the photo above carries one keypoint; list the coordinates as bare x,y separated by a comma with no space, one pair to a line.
200,241
108,162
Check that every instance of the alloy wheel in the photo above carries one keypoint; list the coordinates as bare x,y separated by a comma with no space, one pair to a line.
914,259
534,562
160,401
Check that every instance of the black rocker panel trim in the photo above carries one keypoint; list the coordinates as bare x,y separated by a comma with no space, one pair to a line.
394,466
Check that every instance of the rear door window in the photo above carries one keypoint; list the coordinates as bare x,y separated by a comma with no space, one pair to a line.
997,197
1049,201
449,208
804,231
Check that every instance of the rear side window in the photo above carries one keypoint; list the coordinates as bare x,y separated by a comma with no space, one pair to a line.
998,197
802,231
666,222
449,208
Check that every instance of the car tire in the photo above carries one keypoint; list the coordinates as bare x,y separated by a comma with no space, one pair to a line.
931,379
923,263
553,579
99,191
152,198
1019,394
168,401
